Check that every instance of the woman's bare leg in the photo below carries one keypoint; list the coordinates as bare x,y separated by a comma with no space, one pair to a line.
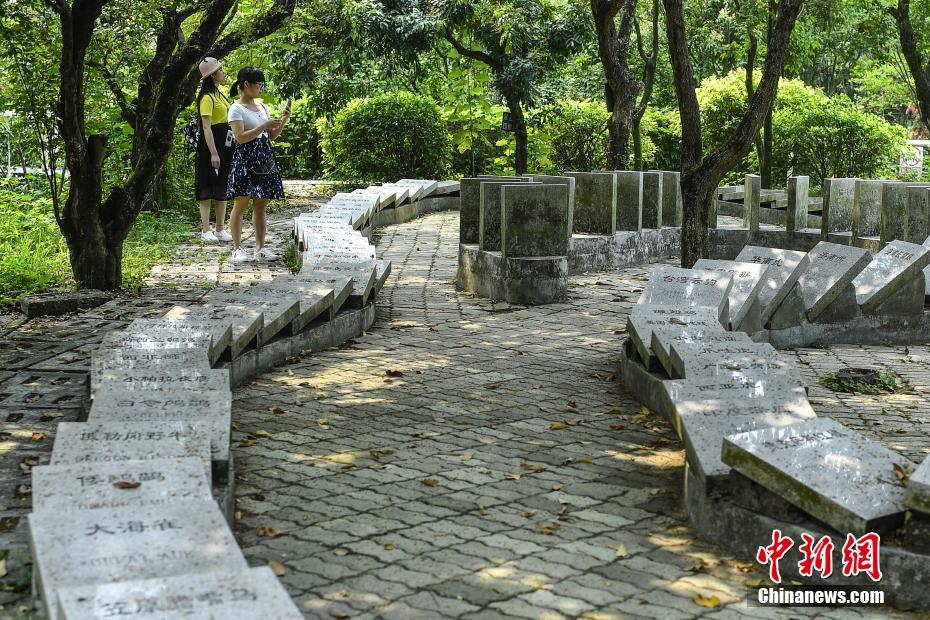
205,215
259,222
240,205
220,207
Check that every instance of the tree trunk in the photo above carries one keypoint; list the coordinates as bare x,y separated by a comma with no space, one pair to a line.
622,87
637,144
695,241
520,156
97,261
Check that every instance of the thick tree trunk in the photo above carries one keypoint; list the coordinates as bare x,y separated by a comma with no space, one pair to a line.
695,198
622,86
97,261
766,164
521,155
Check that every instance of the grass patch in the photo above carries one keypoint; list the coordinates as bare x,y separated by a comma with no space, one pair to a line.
34,255
888,382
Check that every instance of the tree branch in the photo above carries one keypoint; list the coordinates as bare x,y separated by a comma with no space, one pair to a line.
110,79
470,53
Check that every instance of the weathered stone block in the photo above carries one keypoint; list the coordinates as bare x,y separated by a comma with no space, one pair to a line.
867,207
830,272
652,199
629,200
489,226
470,208
752,196
894,267
838,201
783,268
595,202
534,220
831,472
747,282
798,201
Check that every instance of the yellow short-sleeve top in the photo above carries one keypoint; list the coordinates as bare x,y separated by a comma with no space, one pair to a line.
214,107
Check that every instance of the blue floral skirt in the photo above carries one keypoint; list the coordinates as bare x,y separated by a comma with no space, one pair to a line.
242,183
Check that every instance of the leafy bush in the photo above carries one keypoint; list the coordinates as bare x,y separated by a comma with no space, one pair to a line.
386,137
813,134
661,139
578,135
835,140
298,150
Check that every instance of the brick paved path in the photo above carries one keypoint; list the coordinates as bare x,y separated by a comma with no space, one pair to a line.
472,460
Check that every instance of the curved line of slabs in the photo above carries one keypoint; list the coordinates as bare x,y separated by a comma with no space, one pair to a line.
697,353
131,516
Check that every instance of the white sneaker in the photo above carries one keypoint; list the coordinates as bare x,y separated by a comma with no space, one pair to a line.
239,255
224,235
209,237
265,254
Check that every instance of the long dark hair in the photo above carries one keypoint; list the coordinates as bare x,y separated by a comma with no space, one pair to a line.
208,87
246,74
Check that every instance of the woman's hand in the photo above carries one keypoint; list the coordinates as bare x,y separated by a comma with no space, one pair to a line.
215,160
272,124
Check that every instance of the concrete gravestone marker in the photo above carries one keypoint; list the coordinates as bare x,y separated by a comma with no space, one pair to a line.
707,410
782,270
629,200
798,201
674,286
103,360
702,357
744,295
534,220
210,410
830,275
645,317
867,206
87,486
893,221
556,180
104,545
489,216
838,201
244,594
104,442
918,214
665,337
470,208
891,269
752,196
831,472
595,203
652,199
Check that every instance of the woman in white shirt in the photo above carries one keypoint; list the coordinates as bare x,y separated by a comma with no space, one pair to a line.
254,174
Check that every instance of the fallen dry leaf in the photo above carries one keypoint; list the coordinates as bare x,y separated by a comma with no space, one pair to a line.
572,404
617,427
122,484
377,454
482,510
529,514
277,567
615,411
393,373
24,489
38,436
262,434
533,467
903,473
548,530
247,443
706,601
269,532
621,551
584,459
389,547
430,482
557,426
238,515
512,476
658,443
277,410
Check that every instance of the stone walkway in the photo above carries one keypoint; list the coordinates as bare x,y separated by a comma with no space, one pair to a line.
474,460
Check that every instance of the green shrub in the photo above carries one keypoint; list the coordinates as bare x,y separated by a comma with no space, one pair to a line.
661,139
386,137
298,150
812,134
578,136
834,139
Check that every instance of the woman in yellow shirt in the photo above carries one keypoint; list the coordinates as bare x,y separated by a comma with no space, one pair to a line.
214,150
